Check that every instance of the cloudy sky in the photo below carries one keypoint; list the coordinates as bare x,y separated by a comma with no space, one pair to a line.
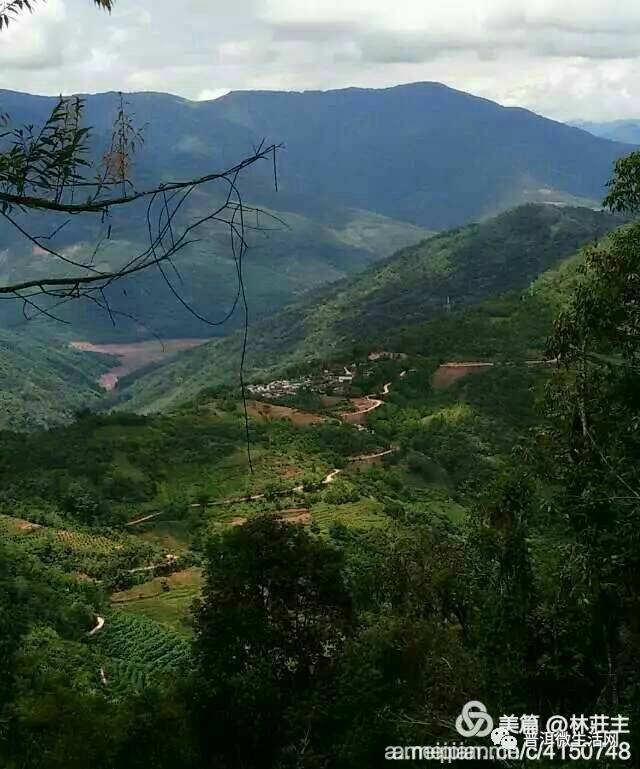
563,58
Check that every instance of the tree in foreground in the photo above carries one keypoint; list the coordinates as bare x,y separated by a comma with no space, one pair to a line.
274,616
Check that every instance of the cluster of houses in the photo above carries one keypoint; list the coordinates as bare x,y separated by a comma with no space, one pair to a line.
328,382
384,355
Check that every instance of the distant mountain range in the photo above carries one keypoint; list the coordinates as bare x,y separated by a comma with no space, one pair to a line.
617,130
421,152
365,172
437,278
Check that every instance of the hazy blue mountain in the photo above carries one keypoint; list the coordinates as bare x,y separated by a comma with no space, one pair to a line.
617,130
364,172
424,152
420,152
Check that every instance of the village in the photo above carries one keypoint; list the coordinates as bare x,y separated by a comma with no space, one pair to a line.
331,381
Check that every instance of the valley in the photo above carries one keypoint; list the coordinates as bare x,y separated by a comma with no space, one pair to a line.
382,457
316,472
134,356
361,453
442,277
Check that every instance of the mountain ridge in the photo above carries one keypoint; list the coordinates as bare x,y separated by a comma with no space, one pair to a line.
626,130
423,156
453,270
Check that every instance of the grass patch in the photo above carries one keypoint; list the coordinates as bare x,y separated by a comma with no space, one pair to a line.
363,514
165,600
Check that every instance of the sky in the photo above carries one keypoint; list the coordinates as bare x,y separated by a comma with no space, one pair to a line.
566,59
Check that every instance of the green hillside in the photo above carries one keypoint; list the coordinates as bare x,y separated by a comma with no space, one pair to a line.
134,549
438,278
298,253
44,384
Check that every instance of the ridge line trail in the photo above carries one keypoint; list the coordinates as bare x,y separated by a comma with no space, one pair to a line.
449,372
144,519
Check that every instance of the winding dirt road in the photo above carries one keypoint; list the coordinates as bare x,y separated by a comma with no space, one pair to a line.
329,478
144,519
98,626
366,405
255,497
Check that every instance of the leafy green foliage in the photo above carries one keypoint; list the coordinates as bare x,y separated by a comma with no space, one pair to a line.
491,554
135,652
274,615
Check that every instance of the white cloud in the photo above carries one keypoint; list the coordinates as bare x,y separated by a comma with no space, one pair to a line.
209,94
575,58
34,42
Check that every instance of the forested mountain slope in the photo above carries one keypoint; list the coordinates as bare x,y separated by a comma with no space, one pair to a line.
422,152
44,384
442,275
419,152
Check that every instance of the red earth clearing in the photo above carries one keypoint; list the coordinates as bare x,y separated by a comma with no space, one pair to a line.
448,373
271,411
363,406
135,355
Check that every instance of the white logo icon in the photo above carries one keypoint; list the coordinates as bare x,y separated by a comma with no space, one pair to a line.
501,736
497,735
474,721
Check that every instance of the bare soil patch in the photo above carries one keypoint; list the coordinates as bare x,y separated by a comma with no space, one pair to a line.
267,411
362,407
134,356
300,515
289,471
448,373
27,526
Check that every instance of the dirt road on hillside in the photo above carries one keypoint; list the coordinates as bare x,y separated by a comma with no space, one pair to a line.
98,626
366,405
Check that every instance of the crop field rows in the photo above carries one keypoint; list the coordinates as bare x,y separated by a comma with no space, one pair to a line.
137,651
170,609
363,514
78,541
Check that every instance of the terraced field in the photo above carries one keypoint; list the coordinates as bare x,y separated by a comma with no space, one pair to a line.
18,528
363,514
165,600
80,541
136,651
